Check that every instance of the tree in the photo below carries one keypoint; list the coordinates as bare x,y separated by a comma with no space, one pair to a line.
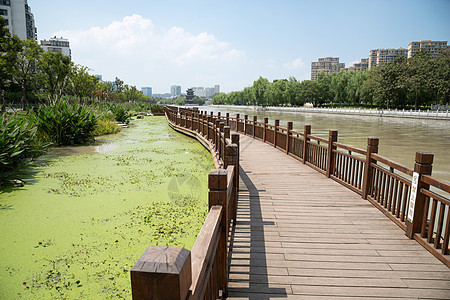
7,59
24,70
82,84
308,92
119,85
275,92
219,98
55,69
260,87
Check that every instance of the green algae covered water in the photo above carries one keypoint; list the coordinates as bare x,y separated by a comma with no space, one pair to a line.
86,214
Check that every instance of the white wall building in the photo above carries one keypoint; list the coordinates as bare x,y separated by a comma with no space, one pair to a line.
19,18
57,45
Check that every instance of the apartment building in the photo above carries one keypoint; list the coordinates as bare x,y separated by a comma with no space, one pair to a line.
147,91
327,65
57,45
363,65
378,56
175,90
19,18
435,48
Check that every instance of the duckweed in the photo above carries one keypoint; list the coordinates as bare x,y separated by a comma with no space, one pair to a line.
82,220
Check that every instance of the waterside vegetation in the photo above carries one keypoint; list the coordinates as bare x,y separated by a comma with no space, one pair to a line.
416,82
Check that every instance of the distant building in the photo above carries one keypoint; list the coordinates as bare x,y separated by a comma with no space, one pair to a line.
378,56
165,95
206,93
175,91
57,45
19,18
435,48
100,77
363,65
147,91
189,95
327,65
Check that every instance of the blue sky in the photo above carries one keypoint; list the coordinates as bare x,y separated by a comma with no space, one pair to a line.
231,43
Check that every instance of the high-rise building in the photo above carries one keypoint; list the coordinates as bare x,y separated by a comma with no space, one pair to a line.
363,65
147,91
435,48
175,90
325,65
57,45
378,56
19,18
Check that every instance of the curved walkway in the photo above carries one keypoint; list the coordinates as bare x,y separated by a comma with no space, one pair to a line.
301,235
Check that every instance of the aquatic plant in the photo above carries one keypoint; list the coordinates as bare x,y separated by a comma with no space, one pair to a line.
120,114
66,124
106,126
17,142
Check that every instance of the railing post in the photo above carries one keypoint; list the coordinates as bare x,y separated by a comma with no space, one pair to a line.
245,124
232,159
372,147
332,138
275,130
217,184
255,119
216,134
227,119
237,122
162,273
235,140
423,166
288,134
306,133
208,131
221,140
266,120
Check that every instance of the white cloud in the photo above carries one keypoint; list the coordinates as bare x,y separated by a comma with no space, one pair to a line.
295,64
142,54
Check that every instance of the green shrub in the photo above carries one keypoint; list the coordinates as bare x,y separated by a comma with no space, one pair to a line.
120,114
66,124
17,142
106,126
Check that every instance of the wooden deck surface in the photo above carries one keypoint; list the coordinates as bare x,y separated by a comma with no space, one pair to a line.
300,235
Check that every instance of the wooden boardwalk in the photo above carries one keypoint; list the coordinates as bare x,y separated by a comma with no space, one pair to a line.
301,235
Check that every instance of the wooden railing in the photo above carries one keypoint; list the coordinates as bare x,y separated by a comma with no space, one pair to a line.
383,182
176,273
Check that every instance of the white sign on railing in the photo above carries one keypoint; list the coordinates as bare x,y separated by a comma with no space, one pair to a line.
413,195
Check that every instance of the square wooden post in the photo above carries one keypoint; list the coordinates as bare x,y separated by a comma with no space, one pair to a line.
232,159
216,134
255,119
266,120
288,135
237,122
235,140
423,166
372,147
245,124
275,130
222,141
227,118
162,273
306,133
217,184
332,138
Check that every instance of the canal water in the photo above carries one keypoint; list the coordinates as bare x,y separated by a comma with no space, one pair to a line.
86,214
400,138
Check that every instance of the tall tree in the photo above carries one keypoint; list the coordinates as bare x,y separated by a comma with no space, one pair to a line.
55,69
260,87
24,68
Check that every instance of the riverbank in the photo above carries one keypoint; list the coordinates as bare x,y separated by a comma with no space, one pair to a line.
86,214
388,113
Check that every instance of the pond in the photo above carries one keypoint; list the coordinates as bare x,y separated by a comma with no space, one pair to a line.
86,214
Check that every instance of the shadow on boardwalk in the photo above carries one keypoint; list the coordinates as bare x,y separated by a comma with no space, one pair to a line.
248,261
